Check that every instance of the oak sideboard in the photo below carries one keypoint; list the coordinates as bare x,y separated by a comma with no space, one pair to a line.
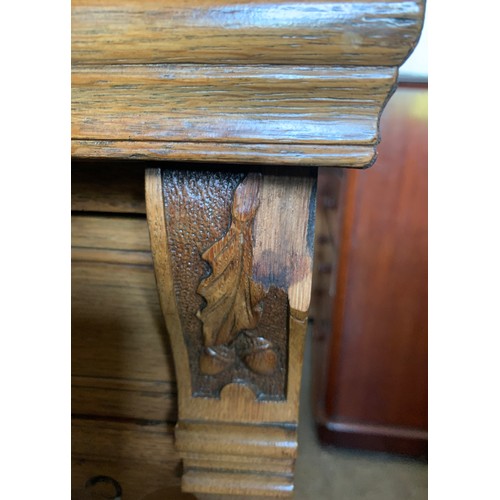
197,132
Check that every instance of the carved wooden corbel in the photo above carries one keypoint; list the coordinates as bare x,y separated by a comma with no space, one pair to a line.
233,261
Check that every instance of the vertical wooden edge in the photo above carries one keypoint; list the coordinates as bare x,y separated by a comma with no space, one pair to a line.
396,420
348,218
162,265
298,331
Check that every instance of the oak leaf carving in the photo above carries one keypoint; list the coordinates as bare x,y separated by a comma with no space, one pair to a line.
232,296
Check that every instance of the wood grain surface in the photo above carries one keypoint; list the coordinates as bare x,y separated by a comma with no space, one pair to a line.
187,213
376,369
289,83
113,186
121,361
244,240
141,458
227,153
365,33
284,83
110,232
235,104
264,106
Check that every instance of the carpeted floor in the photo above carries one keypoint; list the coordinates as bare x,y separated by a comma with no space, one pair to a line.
327,473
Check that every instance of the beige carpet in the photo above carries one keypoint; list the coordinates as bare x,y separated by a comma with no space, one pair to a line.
341,474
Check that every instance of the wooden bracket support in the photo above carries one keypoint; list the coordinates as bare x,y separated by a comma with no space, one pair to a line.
233,252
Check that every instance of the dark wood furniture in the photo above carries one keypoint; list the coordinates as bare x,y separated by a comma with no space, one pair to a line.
370,337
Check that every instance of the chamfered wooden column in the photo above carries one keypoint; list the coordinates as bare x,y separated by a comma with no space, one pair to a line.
233,261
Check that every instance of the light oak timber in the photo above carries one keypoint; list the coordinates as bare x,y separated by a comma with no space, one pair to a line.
141,458
124,398
101,288
296,105
105,255
243,427
252,411
237,153
122,370
124,440
110,239
306,115
121,361
275,486
366,33
110,232
285,84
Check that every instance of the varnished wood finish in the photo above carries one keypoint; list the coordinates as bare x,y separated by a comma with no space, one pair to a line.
124,392
221,32
290,83
234,300
376,371
224,228
256,108
121,361
121,366
232,153
241,311
110,232
282,84
140,457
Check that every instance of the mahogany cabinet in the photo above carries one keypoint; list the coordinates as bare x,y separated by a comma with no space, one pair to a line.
370,331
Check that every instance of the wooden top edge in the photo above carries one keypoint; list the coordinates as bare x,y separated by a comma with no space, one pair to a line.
257,32
288,72
291,115
237,105
281,155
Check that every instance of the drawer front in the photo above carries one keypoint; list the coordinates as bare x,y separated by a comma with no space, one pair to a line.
121,358
124,402
140,460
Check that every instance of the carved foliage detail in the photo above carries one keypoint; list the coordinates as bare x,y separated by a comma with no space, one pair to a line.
233,300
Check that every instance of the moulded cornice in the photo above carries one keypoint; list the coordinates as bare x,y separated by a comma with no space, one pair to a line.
238,82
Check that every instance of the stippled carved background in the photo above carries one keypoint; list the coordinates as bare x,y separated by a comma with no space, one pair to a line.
198,214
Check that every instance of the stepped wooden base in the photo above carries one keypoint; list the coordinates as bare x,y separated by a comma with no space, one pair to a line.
240,459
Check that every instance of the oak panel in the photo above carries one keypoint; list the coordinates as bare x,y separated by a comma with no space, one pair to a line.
141,458
238,104
108,232
225,31
286,82
227,153
121,357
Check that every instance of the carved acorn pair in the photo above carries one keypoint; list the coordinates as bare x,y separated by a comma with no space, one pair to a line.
258,355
